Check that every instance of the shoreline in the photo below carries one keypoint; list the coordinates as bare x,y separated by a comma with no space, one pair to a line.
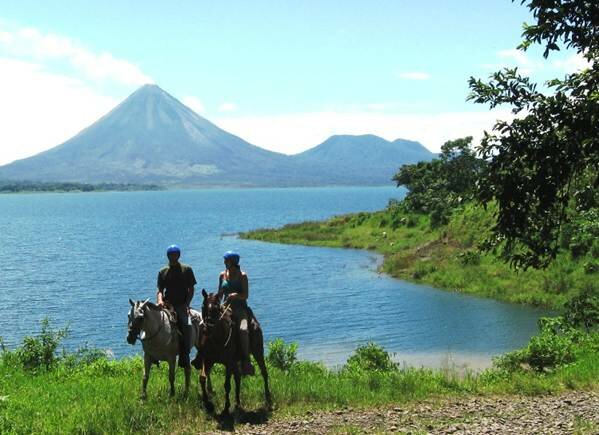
445,258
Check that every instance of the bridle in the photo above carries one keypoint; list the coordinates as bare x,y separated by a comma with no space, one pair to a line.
138,333
209,322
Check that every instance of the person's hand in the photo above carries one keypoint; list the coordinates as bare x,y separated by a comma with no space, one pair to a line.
160,304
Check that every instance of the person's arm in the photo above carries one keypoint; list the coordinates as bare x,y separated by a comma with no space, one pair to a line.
190,289
160,297
160,291
190,293
245,287
220,292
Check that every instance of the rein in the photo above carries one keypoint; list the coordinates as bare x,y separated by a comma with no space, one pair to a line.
209,324
225,310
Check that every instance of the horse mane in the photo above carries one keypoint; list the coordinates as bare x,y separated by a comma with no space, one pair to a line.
153,306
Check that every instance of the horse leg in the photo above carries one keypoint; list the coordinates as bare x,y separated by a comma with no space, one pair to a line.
237,377
187,371
259,357
228,374
205,374
171,375
146,377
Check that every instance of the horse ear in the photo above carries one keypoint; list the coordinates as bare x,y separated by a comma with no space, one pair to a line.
132,303
204,293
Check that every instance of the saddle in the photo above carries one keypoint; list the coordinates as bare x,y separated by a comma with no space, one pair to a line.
171,314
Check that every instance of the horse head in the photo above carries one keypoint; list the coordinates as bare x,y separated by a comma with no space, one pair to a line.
136,320
211,310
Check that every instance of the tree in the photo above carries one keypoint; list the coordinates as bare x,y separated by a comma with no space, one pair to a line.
439,186
546,161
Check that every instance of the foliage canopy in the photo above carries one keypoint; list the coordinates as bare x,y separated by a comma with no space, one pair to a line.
546,161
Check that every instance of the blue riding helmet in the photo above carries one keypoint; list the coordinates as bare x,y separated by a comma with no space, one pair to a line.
233,256
173,249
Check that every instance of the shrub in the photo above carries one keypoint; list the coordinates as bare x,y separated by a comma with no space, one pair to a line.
84,356
590,267
583,310
370,357
412,221
468,258
281,355
554,346
439,216
422,269
39,352
586,233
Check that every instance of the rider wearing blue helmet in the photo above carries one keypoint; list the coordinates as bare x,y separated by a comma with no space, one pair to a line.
233,285
175,288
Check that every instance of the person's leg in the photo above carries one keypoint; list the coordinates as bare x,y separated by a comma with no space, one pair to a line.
185,342
244,339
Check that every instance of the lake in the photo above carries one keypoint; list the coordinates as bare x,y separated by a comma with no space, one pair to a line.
77,259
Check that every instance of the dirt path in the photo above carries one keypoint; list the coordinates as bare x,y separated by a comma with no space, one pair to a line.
568,413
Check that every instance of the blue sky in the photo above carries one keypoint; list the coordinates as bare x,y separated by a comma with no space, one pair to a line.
284,75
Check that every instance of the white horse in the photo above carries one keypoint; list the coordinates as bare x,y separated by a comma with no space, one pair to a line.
160,340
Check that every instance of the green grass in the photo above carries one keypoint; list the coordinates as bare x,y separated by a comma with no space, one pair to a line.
444,257
103,396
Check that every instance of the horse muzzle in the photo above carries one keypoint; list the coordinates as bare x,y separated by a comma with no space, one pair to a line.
131,338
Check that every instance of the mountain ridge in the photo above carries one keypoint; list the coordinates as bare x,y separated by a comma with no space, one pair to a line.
151,137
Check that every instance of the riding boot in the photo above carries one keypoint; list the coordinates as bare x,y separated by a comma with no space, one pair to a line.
247,369
185,341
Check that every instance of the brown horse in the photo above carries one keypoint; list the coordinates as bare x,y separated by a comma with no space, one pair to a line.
219,343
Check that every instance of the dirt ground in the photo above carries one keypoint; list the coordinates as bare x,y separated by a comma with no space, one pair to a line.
568,413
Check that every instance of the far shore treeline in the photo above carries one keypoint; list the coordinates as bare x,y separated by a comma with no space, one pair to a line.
36,186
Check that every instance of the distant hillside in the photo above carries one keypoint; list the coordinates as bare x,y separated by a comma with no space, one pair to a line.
368,158
151,137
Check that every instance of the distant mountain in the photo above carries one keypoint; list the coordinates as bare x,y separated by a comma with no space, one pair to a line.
151,137
367,158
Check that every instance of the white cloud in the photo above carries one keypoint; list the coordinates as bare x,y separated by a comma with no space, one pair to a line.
293,133
194,103
521,60
40,109
49,89
5,37
31,44
414,75
518,56
572,64
376,106
227,107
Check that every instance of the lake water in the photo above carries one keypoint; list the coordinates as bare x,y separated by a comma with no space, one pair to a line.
78,258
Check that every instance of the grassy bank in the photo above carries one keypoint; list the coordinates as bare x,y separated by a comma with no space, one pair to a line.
444,257
102,396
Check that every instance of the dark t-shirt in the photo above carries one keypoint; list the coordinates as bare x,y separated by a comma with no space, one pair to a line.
176,280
